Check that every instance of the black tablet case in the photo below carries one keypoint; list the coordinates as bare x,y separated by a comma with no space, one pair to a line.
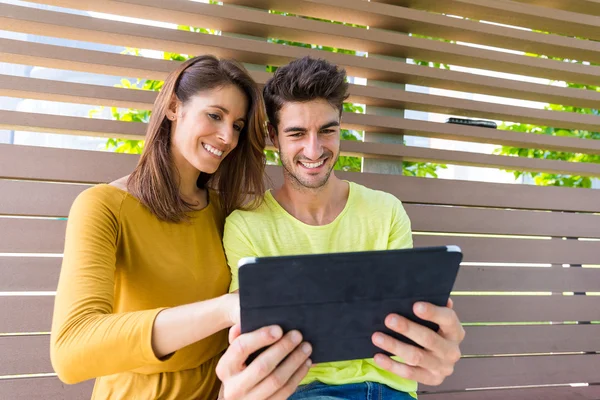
339,300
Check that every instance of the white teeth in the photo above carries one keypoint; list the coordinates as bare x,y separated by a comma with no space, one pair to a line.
312,165
212,150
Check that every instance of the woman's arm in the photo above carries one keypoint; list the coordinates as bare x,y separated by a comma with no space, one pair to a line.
88,339
177,327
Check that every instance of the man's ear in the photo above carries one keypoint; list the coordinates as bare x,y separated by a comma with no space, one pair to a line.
273,135
173,108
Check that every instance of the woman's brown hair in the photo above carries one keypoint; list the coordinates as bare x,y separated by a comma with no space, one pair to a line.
239,178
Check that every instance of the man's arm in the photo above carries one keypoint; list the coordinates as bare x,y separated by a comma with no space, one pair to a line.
277,371
274,374
237,243
441,351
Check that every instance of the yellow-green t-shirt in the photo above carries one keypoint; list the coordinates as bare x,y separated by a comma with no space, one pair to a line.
371,220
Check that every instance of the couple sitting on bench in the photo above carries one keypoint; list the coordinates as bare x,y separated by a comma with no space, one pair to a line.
146,296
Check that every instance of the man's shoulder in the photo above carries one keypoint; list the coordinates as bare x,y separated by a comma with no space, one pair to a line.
260,214
373,197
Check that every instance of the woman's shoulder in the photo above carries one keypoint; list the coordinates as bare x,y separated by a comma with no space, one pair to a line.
102,197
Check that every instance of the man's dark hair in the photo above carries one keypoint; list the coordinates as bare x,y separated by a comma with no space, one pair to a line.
302,80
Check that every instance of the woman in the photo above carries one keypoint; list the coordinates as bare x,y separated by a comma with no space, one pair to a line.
141,303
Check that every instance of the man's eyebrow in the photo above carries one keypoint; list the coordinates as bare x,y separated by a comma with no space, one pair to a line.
300,129
294,129
330,124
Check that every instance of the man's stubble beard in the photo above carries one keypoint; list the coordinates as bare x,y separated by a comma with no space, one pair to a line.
298,183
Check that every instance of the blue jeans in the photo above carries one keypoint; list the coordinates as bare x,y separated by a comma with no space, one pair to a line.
355,391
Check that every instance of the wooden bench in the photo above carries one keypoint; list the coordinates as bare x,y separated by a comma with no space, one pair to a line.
535,354
525,291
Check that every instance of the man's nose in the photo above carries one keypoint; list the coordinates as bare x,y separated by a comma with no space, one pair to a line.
313,149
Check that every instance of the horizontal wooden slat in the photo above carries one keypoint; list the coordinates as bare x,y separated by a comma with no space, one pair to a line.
38,163
530,339
41,274
527,279
26,20
26,314
21,274
385,97
129,98
34,313
19,235
502,222
41,199
228,18
535,393
589,7
25,162
47,123
79,93
105,128
478,194
69,92
51,388
92,61
29,354
513,13
25,355
520,371
556,308
502,250
384,16
420,154
395,125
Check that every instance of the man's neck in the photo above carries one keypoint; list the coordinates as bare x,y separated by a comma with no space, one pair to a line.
314,206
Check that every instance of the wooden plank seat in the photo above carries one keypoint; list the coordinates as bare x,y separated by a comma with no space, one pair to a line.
527,291
510,338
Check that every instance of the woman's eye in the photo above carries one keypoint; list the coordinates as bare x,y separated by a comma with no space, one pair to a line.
238,128
216,117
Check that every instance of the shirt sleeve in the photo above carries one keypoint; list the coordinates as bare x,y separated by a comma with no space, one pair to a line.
400,231
88,340
237,246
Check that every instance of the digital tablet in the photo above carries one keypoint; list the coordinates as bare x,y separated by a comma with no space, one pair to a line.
339,300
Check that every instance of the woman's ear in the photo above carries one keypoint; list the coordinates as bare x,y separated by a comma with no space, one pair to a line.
174,107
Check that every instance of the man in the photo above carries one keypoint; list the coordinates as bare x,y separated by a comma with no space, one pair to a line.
316,212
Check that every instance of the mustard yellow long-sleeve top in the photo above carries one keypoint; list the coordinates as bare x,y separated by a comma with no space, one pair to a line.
121,267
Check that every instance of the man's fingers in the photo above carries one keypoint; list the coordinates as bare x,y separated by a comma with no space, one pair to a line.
284,379
418,374
409,354
292,384
418,333
445,317
242,347
261,367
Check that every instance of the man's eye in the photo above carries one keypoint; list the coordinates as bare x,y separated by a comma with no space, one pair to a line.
296,134
216,117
